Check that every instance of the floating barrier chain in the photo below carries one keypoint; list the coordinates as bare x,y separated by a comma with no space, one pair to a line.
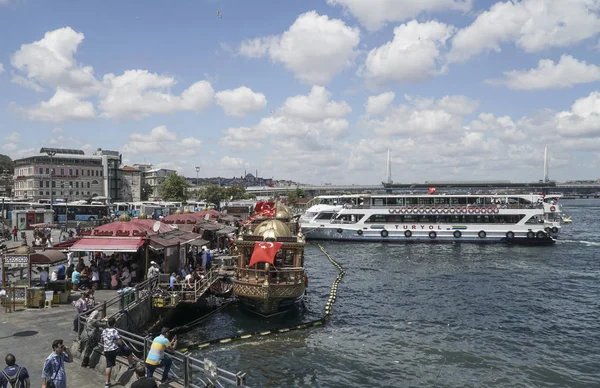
316,323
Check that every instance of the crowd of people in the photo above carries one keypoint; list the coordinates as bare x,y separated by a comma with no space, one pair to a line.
96,332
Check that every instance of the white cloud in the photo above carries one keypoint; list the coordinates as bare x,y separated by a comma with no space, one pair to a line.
164,141
63,106
442,117
139,93
548,75
26,83
315,48
58,131
1,68
310,121
533,25
51,61
412,55
583,120
315,106
240,102
12,137
231,163
374,14
377,105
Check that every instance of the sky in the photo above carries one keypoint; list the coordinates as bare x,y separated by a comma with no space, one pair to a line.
314,91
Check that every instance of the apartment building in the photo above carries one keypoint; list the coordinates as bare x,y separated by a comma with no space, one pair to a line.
155,178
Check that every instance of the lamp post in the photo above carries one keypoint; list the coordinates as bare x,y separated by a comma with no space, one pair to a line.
4,179
51,154
197,171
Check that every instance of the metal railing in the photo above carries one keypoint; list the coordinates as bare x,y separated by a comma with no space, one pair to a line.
289,275
195,290
187,370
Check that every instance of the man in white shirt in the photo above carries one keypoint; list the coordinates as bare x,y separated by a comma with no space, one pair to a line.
44,275
54,276
69,258
153,270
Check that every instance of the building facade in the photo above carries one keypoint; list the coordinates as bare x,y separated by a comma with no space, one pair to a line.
59,173
130,184
111,162
155,178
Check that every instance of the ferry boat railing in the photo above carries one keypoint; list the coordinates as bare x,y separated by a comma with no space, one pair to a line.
188,371
197,289
287,275
448,206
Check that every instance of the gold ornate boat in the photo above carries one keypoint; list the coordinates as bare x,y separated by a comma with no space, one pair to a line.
269,276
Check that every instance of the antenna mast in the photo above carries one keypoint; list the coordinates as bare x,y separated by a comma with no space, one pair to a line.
389,167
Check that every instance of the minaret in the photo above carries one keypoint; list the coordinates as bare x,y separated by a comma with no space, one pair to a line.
546,165
389,167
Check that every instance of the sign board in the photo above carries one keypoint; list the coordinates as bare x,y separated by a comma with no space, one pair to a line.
15,261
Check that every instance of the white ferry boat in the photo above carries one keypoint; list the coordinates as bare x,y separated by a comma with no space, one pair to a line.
530,219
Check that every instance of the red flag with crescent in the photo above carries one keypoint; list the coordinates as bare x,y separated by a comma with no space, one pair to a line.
432,190
264,252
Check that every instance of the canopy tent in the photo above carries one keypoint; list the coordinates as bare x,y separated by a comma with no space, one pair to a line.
177,237
227,230
133,228
212,214
47,257
107,244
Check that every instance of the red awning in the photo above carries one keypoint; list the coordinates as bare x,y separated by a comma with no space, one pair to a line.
111,244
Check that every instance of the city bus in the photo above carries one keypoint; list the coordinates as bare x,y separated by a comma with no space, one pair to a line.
80,212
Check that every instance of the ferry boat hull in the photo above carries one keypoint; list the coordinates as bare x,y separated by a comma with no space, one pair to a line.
529,237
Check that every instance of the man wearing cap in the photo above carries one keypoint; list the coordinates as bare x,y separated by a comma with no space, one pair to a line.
153,270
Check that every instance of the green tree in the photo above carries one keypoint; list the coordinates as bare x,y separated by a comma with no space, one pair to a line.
295,194
214,194
146,191
235,192
6,163
174,188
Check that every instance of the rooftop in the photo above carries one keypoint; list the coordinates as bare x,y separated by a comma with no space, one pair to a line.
45,150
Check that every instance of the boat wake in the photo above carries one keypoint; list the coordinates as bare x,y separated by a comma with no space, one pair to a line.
587,243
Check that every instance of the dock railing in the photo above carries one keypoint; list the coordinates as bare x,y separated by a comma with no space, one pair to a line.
187,370
196,289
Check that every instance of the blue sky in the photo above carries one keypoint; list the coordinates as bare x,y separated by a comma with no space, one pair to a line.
313,91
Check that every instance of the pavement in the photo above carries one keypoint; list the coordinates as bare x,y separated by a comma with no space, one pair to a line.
28,334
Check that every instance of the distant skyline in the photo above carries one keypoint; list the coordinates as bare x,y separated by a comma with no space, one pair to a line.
314,91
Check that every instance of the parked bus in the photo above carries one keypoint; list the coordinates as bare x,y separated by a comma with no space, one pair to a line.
79,212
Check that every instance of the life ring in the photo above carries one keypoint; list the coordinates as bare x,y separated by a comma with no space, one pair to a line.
359,232
530,234
339,230
397,210
554,229
407,233
391,211
432,235
445,211
496,210
452,210
403,210
482,234
384,233
490,210
552,208
541,234
457,234
510,235
471,210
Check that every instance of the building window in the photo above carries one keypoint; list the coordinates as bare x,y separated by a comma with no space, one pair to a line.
76,185
47,184
94,182
88,185
100,172
76,172
41,171
62,172
47,171
89,173
41,193
88,193
71,171
47,193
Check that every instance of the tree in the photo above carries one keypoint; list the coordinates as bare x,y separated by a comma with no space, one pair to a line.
295,194
174,188
6,163
235,192
214,194
146,191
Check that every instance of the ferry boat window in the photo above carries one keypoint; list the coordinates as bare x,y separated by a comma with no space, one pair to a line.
425,218
410,218
325,216
376,218
378,202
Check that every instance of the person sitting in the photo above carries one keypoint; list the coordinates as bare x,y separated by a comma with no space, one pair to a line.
172,281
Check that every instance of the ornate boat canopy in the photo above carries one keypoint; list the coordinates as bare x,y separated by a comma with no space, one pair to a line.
271,230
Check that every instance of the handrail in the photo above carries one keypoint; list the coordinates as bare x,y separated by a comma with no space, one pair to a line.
193,368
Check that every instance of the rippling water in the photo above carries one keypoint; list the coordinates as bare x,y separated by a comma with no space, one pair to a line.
439,315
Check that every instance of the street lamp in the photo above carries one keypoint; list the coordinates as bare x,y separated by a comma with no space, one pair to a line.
197,171
51,154
4,180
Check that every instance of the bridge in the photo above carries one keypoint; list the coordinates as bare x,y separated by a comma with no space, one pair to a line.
586,190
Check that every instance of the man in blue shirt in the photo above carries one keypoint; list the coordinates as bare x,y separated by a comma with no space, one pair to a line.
54,366
17,376
61,272
172,280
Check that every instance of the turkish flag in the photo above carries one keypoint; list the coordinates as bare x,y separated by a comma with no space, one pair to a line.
432,190
264,252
